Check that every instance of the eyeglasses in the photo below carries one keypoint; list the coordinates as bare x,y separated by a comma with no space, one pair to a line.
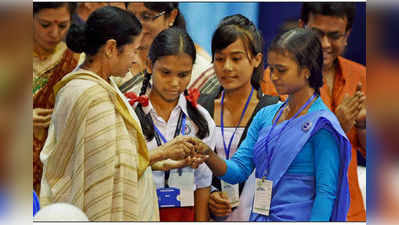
148,18
332,36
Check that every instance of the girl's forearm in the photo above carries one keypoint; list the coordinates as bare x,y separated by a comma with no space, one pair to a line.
216,164
201,197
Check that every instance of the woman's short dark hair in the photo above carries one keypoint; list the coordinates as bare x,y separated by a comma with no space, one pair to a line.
306,50
37,6
235,27
172,41
103,24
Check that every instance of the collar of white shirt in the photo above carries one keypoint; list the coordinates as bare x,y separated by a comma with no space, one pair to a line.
181,105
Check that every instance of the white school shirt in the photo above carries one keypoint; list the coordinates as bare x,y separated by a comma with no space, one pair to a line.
243,211
202,175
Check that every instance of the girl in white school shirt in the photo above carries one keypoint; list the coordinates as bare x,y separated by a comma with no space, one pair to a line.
172,111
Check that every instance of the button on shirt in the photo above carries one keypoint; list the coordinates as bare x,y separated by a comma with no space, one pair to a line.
202,175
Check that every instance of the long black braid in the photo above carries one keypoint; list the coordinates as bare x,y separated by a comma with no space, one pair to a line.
199,120
145,120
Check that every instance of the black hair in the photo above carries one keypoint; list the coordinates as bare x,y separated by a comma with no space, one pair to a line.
287,25
169,42
37,6
238,26
167,7
306,50
103,24
338,9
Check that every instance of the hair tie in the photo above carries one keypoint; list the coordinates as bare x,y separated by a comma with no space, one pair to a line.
133,98
192,96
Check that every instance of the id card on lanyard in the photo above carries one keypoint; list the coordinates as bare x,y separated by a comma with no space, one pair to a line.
263,186
263,196
232,190
178,190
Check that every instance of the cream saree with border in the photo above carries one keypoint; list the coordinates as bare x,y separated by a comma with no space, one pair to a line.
95,156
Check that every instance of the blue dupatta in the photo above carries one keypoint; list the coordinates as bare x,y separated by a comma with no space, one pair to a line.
293,195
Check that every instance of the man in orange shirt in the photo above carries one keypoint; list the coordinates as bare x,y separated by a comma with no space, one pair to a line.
332,22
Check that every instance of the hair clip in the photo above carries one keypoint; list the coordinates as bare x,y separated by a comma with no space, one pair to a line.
133,98
192,96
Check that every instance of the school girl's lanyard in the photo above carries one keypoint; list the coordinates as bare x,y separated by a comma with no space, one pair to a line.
270,154
180,128
227,148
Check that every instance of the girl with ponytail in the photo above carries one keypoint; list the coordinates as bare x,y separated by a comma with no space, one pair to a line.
170,111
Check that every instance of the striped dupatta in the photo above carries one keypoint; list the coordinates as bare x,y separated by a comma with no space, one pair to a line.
95,156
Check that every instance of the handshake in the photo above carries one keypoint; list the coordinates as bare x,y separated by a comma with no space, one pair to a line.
182,151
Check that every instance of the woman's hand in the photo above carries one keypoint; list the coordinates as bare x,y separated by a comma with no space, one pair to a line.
219,204
41,117
200,147
197,160
176,164
201,152
179,148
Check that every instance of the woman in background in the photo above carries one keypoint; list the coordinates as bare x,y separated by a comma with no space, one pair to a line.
51,61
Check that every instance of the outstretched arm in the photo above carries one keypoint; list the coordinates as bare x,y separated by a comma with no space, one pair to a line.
241,165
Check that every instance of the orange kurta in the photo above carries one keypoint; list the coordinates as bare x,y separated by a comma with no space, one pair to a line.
348,75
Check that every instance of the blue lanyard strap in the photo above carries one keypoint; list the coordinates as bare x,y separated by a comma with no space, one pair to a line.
160,135
270,154
227,148
180,128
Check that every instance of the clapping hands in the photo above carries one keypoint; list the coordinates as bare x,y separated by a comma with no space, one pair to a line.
352,109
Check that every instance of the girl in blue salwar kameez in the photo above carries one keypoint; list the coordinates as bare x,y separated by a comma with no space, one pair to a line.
298,144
